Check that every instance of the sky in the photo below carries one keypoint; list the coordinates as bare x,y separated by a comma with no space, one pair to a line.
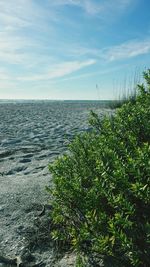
72,49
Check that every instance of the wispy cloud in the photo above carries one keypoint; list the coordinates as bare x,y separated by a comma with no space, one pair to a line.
39,44
88,6
22,23
13,47
126,50
4,75
59,70
93,7
23,13
21,20
7,81
91,74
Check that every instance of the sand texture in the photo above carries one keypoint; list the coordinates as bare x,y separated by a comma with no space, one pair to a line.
31,136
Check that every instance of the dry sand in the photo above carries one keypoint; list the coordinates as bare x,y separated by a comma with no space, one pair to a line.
31,136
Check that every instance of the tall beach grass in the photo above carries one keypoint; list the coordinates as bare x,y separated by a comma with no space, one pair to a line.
127,91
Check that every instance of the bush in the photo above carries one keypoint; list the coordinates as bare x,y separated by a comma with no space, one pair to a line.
100,194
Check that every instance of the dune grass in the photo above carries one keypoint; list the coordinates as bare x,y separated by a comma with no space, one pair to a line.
127,91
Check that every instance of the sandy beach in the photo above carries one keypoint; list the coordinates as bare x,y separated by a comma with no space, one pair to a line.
32,135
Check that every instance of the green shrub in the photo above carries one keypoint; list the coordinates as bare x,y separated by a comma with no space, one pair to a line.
100,194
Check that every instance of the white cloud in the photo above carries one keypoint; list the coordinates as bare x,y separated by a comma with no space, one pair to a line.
19,12
21,18
126,50
24,25
25,13
7,82
93,7
10,21
90,74
13,48
14,17
4,75
88,6
59,70
69,67
21,44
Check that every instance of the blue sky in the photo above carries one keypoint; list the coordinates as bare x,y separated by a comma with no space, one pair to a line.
60,49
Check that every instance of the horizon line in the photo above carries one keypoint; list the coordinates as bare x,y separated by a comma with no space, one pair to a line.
45,99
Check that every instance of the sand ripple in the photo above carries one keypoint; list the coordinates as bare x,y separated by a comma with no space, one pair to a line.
31,136
29,129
